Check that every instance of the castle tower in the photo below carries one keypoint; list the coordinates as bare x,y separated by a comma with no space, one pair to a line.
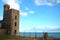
14,22
6,16
11,20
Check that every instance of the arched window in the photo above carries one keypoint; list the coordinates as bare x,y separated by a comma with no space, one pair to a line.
15,17
0,25
15,24
14,31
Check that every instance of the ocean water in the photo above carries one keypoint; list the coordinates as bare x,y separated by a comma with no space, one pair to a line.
40,34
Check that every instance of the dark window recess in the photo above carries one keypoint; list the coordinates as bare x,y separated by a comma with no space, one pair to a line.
15,32
0,25
15,17
15,24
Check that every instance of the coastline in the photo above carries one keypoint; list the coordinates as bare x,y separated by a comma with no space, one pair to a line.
40,34
9,37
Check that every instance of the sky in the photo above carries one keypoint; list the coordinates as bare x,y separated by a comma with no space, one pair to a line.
36,15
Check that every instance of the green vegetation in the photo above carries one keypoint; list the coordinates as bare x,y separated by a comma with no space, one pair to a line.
7,37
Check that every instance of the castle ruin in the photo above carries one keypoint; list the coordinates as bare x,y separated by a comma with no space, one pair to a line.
10,23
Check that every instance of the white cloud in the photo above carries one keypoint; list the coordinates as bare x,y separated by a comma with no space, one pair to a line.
31,12
40,29
37,2
26,13
46,2
26,8
13,3
20,2
25,29
1,18
58,1
46,28
23,13
42,2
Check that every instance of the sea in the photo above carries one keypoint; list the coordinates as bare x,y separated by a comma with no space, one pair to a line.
40,34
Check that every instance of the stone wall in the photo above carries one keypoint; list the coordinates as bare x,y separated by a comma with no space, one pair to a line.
2,31
0,25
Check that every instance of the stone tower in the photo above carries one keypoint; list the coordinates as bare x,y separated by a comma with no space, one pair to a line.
11,20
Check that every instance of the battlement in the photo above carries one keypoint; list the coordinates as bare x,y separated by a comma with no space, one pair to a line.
6,5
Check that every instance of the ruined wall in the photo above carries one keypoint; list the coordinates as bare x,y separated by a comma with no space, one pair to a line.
10,21
14,22
2,31
0,25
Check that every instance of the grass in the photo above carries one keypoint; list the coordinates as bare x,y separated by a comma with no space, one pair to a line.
7,37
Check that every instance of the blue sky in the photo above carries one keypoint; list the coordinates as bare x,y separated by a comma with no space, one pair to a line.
36,15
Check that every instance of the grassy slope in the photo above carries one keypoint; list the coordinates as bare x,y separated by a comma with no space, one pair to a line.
7,37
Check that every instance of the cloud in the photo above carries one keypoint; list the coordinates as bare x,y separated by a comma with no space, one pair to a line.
46,28
31,12
25,29
13,3
46,2
23,13
42,2
26,13
58,1
26,8
40,29
1,18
